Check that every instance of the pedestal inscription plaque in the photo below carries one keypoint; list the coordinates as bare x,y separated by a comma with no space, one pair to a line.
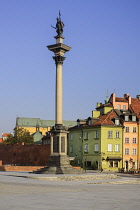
56,144
62,144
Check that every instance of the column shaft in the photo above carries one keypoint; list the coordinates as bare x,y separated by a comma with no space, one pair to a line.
58,111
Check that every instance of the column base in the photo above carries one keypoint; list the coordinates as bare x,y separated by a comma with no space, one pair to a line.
58,160
58,170
58,164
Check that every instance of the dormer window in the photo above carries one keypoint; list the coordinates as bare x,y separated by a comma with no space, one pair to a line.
78,124
133,118
126,118
116,121
89,122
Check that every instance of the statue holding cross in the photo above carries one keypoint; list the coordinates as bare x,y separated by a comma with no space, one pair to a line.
59,25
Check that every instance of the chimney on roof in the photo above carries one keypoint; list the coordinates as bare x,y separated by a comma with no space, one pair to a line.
126,95
138,97
113,98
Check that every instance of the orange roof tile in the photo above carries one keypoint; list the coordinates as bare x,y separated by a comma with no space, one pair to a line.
118,99
135,105
106,119
5,134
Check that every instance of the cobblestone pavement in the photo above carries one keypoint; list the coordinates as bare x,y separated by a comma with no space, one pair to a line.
57,192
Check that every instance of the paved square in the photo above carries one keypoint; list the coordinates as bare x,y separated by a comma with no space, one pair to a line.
17,192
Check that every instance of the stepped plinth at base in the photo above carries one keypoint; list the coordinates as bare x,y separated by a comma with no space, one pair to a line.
58,170
58,164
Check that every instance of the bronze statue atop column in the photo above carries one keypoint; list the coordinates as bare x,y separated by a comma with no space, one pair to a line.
59,25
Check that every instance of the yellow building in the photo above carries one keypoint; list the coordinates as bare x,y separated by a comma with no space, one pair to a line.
37,127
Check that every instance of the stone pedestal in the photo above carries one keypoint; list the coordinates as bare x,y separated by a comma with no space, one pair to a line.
58,162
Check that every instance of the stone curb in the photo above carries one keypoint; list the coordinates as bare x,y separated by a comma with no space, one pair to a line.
76,178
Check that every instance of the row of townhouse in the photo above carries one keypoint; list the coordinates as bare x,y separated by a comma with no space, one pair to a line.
108,140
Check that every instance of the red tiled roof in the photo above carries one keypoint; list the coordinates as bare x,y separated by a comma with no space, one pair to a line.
118,99
106,119
135,105
5,134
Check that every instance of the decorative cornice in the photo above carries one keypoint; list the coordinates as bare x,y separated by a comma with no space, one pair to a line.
59,59
59,128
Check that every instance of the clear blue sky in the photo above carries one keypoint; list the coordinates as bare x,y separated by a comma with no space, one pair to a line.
105,55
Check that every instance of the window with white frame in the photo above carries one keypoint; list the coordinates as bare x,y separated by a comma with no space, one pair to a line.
124,107
119,106
127,129
71,148
126,118
133,118
117,134
134,140
96,134
109,147
126,151
96,147
86,135
126,140
71,136
109,134
134,151
117,147
134,129
86,147
117,122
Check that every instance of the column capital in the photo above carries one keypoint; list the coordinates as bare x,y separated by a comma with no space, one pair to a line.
59,59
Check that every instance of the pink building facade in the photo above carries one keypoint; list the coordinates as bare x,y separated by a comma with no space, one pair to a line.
130,131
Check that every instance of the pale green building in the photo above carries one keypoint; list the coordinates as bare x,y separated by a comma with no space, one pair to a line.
96,143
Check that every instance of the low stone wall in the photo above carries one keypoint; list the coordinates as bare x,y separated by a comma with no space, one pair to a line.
20,168
19,154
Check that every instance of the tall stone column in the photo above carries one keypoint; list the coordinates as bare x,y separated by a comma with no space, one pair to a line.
58,160
59,83
59,132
